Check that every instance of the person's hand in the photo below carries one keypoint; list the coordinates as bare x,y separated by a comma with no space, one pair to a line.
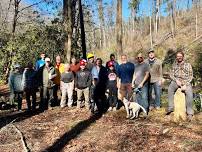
160,82
140,85
118,85
75,89
183,88
178,83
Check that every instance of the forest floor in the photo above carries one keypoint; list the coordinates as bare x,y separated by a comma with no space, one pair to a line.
75,130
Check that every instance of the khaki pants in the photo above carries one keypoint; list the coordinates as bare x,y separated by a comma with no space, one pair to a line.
67,90
80,92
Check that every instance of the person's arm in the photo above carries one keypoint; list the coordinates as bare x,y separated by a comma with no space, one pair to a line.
52,74
190,74
10,82
89,82
133,81
144,80
24,79
172,72
161,73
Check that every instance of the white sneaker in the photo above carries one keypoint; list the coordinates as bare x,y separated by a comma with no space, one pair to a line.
110,109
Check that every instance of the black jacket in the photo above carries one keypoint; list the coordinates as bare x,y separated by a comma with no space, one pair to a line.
83,79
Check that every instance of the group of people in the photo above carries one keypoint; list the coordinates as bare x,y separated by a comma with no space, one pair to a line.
97,87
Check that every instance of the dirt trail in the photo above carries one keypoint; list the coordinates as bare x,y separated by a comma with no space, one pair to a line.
75,130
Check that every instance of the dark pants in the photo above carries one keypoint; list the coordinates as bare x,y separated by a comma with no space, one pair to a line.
113,93
99,97
29,93
48,97
18,98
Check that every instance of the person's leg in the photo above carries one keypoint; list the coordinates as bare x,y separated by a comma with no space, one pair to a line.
87,99
28,94
64,96
51,100
129,91
44,104
157,91
79,97
70,94
171,91
123,91
19,97
55,95
151,101
189,100
33,93
144,100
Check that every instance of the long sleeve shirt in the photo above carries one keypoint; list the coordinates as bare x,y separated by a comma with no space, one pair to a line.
155,67
182,72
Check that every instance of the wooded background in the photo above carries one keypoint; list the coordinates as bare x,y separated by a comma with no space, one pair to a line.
72,27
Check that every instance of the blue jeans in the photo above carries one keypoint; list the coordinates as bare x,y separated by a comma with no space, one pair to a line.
157,91
142,97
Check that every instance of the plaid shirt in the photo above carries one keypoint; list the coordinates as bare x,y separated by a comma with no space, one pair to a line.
182,72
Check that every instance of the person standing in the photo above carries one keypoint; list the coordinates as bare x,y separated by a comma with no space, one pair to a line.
15,86
112,89
181,76
29,82
112,59
99,75
67,86
90,63
141,81
48,73
74,66
156,76
40,62
59,68
83,82
125,76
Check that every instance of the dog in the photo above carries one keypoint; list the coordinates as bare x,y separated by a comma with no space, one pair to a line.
132,109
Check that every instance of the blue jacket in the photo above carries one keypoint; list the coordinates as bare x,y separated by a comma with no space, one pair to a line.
15,82
39,64
125,72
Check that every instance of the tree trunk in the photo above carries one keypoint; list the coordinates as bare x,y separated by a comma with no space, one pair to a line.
157,9
83,38
67,16
119,31
102,24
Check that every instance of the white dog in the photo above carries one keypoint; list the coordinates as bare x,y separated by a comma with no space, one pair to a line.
132,109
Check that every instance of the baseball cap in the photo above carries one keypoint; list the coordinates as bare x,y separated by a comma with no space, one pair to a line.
90,55
151,50
110,63
83,62
47,59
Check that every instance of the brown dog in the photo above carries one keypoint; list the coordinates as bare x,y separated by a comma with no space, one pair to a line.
180,105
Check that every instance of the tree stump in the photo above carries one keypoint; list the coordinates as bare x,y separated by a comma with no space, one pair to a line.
180,106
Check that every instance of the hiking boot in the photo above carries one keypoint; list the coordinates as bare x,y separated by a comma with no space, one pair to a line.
190,118
151,108
157,108
169,112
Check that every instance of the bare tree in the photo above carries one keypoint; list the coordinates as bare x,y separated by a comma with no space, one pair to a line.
102,23
119,31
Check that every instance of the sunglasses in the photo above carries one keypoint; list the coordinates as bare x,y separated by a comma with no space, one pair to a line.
140,57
